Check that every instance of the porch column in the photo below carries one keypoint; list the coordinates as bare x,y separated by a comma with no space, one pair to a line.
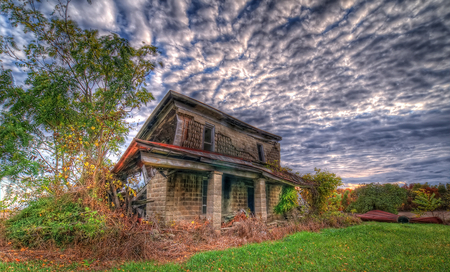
214,199
260,199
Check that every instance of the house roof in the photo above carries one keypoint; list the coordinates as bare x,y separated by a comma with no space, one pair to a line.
171,95
202,157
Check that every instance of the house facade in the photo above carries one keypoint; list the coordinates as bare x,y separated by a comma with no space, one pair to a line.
198,161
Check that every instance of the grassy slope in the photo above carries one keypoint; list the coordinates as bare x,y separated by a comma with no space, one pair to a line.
369,247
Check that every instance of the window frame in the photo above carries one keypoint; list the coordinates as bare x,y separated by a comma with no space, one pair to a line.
261,155
204,196
213,134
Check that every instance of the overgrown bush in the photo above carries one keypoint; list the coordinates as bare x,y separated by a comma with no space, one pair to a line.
375,196
288,200
335,202
325,183
61,221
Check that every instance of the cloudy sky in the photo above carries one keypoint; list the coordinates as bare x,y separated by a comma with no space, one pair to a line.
361,88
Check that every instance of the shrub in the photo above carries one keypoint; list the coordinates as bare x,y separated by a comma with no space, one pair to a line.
288,200
59,220
334,202
374,196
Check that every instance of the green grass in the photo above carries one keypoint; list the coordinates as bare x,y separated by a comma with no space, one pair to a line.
367,247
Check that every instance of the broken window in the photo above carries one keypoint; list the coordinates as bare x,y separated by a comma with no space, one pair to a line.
260,152
204,194
208,138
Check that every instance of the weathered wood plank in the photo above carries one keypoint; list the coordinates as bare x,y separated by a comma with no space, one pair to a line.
173,163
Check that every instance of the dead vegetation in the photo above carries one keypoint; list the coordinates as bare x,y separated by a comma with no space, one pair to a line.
134,241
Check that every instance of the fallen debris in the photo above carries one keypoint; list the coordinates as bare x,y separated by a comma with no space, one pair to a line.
382,216
238,216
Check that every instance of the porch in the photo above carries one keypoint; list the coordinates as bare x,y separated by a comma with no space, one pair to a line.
186,183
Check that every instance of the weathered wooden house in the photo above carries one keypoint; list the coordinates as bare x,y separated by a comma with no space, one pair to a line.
199,161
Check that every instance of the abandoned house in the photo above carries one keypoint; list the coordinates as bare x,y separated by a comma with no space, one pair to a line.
198,161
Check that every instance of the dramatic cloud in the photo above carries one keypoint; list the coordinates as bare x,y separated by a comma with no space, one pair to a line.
361,88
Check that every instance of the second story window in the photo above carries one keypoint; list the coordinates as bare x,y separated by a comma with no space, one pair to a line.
260,152
208,138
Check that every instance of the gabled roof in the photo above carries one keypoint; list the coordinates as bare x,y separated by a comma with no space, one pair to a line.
158,150
174,96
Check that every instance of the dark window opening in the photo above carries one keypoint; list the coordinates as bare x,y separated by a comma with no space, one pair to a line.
226,187
204,194
251,199
260,152
208,138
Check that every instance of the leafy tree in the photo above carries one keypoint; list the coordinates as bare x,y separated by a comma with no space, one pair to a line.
446,201
57,130
375,196
441,189
426,202
325,183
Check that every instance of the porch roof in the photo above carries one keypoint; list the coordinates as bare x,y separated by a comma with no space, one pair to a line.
177,156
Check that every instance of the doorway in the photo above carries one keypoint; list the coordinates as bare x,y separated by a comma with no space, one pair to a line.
251,198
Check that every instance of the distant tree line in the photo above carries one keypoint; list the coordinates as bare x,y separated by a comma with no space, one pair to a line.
415,197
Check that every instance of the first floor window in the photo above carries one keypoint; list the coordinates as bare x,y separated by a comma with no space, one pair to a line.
204,194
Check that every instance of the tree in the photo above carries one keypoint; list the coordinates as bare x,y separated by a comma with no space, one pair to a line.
57,130
325,183
375,196
345,199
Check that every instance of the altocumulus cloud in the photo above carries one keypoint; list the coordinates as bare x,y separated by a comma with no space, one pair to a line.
361,88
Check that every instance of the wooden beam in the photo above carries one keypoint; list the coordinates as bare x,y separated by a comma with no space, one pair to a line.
238,173
142,202
273,177
172,163
160,161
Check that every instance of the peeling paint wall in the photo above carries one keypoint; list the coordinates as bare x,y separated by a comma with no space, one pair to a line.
229,140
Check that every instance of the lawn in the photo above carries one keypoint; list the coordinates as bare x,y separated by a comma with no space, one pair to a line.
367,247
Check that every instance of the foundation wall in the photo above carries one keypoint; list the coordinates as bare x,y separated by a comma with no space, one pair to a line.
157,191
273,193
184,197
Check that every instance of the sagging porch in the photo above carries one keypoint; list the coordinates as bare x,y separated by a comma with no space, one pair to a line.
183,183
186,195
